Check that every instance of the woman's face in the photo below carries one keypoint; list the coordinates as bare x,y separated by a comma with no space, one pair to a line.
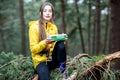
47,13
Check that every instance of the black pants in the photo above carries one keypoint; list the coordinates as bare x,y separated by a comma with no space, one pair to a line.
58,56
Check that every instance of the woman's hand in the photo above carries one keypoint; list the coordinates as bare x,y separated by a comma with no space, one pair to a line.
48,40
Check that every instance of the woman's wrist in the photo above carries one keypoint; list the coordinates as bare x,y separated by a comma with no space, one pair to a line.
46,41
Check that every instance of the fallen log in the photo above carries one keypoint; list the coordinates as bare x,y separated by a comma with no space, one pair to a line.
72,76
71,63
36,77
109,58
95,71
99,67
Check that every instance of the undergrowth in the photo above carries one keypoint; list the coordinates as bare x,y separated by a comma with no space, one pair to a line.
18,67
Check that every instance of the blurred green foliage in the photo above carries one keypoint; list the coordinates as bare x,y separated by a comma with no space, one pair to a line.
15,67
11,30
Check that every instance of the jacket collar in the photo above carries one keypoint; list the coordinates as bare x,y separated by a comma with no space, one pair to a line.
48,24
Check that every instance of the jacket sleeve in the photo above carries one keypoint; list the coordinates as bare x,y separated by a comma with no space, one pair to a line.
35,45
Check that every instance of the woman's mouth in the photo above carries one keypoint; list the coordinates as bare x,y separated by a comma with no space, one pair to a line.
47,16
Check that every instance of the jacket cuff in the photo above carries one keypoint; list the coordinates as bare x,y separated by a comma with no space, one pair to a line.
43,43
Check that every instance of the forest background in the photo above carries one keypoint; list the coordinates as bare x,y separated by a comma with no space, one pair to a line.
92,25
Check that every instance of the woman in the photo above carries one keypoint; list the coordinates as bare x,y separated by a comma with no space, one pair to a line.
46,53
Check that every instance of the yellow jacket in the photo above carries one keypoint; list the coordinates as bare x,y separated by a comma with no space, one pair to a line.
37,45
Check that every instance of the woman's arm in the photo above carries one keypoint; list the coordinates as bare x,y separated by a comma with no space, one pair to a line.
36,46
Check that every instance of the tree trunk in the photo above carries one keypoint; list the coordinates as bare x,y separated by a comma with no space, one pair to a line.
114,41
23,41
1,31
63,16
89,27
63,21
79,26
97,28
106,37
93,37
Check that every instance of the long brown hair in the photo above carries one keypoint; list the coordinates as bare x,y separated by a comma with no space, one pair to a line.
42,33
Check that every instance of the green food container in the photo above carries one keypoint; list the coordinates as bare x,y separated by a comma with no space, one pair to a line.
59,37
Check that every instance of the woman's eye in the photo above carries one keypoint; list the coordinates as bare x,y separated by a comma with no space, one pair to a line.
50,10
44,10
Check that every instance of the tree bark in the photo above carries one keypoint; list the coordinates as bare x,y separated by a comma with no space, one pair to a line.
79,26
114,41
93,41
89,27
63,21
106,37
63,16
23,41
2,32
97,41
